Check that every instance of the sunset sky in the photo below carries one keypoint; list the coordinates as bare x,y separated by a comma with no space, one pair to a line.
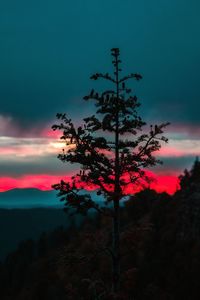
50,48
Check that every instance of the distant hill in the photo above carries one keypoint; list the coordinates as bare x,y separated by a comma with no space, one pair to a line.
27,213
28,198
33,198
21,224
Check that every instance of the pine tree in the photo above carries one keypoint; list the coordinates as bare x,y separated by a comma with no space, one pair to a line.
191,179
112,152
189,194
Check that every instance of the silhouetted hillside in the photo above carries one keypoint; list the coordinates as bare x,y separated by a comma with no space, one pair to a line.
159,260
21,224
28,198
27,213
70,263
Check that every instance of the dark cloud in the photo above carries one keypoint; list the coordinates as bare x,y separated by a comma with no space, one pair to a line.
36,165
174,165
49,49
51,165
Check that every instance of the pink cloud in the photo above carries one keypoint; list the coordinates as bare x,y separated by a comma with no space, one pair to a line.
180,148
8,127
49,133
185,130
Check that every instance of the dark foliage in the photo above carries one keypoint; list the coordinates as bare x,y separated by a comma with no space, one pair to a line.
189,197
22,224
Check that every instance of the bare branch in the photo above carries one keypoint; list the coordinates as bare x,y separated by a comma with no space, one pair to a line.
104,76
135,76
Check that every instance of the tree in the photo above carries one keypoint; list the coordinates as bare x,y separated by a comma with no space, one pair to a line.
109,162
189,194
190,179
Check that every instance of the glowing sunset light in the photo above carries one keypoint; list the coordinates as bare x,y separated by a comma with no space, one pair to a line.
40,181
160,183
25,147
169,184
49,143
49,133
44,182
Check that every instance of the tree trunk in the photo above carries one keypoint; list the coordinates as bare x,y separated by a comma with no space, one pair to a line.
116,218
116,249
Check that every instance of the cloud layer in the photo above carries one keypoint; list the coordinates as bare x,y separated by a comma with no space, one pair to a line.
48,52
31,162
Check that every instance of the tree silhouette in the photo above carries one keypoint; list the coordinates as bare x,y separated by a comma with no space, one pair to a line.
190,179
109,162
189,195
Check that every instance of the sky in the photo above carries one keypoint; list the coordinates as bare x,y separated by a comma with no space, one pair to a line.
50,48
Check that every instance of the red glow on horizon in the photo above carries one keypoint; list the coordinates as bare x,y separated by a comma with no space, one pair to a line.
162,183
44,182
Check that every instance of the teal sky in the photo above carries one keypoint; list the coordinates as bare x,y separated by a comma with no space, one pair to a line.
50,48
